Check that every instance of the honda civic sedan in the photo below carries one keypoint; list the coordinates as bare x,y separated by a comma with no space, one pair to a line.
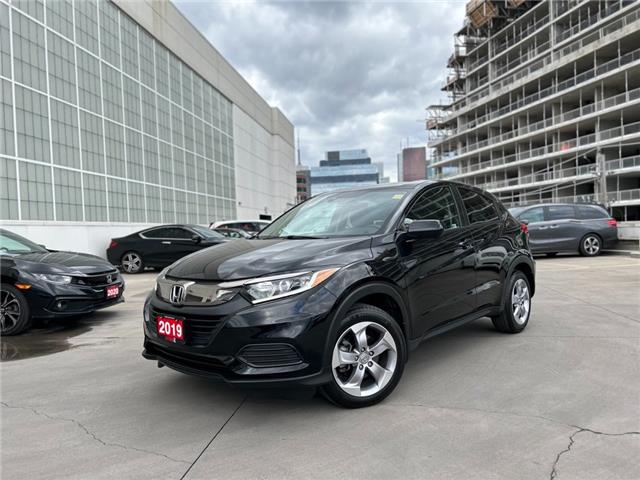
338,290
40,283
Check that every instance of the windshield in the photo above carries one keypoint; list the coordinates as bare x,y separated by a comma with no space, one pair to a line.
206,233
12,243
348,213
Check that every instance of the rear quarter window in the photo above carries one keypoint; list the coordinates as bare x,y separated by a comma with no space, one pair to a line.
591,213
560,212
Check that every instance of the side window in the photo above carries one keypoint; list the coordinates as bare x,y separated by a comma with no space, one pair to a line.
182,233
435,204
535,214
560,212
479,208
162,232
590,213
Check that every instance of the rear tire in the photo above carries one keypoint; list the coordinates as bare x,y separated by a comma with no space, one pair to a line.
368,357
132,262
516,309
15,316
590,245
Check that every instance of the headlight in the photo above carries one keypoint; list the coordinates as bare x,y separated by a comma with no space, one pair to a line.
52,278
270,288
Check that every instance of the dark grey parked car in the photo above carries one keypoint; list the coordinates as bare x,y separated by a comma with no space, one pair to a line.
565,227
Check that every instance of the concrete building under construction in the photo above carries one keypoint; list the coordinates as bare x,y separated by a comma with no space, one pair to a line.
544,103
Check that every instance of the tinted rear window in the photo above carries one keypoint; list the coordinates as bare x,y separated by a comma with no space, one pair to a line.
590,213
560,212
478,207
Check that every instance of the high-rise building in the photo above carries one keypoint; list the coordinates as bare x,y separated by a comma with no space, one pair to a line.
544,103
344,169
303,183
412,164
115,115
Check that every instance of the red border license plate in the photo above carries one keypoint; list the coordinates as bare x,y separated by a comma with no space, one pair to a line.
170,328
113,291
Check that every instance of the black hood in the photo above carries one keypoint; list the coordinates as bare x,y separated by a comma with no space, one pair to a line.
240,259
62,262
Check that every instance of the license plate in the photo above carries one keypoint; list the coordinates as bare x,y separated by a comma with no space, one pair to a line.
113,291
170,328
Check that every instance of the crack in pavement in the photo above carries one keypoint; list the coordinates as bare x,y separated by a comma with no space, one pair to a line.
214,437
554,468
89,433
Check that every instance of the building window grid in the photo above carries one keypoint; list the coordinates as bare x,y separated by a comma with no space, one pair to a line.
90,134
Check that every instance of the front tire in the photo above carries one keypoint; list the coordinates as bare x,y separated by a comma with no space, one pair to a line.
15,316
516,309
590,245
132,262
368,358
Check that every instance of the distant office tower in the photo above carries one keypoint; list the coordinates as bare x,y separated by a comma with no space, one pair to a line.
344,169
412,164
303,183
544,103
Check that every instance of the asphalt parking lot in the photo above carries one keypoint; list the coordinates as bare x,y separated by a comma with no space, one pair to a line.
561,400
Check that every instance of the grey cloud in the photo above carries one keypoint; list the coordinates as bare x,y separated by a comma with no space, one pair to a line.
347,74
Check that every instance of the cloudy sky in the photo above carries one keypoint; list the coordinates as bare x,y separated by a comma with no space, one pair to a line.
347,74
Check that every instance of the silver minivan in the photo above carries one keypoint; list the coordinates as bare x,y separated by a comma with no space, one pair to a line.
567,227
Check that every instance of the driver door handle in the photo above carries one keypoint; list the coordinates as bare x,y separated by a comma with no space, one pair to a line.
166,242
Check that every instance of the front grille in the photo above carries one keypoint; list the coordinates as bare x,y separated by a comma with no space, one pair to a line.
270,355
97,280
198,329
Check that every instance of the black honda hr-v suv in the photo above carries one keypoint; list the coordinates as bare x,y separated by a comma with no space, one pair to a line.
339,289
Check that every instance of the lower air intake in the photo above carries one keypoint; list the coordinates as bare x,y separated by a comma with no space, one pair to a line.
269,355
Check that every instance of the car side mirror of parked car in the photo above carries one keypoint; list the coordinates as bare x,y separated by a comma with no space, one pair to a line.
424,229
196,239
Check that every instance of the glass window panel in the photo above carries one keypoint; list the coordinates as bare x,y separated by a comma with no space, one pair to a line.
478,207
65,134
201,175
62,70
151,168
187,89
131,102
165,164
177,124
210,177
136,202
6,119
197,96
175,76
5,42
109,33
178,168
86,16
188,131
190,169
68,194
32,124
135,165
129,45
164,119
60,17
217,145
199,134
95,198
192,208
8,190
117,190
147,75
162,70
114,142
168,208
92,142
206,102
28,52
154,204
36,199
112,93
208,142
215,105
35,8
149,111
203,214
89,81
211,209
181,206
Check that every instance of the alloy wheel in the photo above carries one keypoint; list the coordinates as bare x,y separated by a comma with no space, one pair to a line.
520,301
591,245
9,310
131,262
364,359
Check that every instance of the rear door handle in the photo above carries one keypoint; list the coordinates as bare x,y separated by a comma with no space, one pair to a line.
166,242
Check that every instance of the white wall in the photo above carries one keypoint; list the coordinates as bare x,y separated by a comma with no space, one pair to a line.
265,168
73,236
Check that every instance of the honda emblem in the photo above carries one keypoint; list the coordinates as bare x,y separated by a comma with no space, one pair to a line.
178,294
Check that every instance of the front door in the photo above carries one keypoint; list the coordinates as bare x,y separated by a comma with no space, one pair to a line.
440,271
559,228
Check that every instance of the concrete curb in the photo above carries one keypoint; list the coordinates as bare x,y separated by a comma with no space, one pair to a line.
628,253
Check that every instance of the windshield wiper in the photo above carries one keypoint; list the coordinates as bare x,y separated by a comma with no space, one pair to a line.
288,237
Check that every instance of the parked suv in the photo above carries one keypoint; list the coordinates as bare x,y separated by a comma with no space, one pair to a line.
565,227
340,288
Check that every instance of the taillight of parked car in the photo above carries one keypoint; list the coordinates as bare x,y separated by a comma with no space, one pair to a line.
524,228
613,222
113,244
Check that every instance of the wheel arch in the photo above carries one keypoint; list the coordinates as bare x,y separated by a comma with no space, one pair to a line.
526,266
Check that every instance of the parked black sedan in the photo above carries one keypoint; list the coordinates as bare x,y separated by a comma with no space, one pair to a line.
160,246
39,283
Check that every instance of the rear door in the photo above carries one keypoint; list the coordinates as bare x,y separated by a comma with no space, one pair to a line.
534,217
559,232
155,243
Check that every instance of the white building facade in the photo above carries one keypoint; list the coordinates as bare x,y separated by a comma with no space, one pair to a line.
117,115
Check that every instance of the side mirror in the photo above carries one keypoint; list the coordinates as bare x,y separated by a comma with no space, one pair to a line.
196,239
424,229
524,222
